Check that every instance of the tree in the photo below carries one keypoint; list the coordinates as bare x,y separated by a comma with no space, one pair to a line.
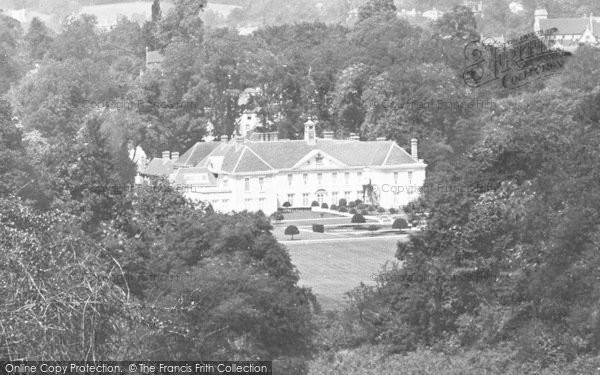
38,39
156,12
291,230
278,216
358,219
286,204
52,269
373,228
18,177
376,8
399,224
342,202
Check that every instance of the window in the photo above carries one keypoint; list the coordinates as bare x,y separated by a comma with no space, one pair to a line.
395,178
410,177
248,202
290,179
320,178
347,196
305,199
396,197
320,197
359,195
261,182
246,184
334,197
291,199
261,203
334,178
305,178
225,182
347,177
359,177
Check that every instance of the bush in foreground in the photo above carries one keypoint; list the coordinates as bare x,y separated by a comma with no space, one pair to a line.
319,228
399,224
291,231
358,219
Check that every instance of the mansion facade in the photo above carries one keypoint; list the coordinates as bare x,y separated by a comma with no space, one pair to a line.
264,173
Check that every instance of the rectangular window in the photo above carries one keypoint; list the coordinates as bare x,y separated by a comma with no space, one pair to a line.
225,183
305,178
334,178
347,196
410,177
290,179
334,197
290,199
359,195
305,199
359,177
246,184
395,178
347,178
320,178
261,183
261,203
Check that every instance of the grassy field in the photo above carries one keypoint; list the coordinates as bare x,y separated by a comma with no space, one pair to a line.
335,267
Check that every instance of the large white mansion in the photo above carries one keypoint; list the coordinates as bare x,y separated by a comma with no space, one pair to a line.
264,173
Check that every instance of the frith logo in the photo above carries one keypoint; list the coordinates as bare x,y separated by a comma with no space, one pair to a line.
513,65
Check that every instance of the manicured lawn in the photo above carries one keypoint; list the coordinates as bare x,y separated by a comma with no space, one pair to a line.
333,268
302,215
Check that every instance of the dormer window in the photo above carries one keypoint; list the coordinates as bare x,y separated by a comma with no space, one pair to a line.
319,159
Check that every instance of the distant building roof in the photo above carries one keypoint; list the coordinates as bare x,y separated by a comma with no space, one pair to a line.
570,26
285,155
159,167
195,154
154,57
188,177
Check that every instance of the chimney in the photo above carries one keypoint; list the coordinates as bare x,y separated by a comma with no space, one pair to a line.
239,142
413,149
381,139
166,155
354,137
175,156
539,14
328,134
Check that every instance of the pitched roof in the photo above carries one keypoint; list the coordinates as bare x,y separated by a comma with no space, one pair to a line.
569,26
194,177
159,167
285,154
195,154
154,57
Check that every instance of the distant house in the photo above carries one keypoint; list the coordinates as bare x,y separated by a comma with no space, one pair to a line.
570,32
160,167
265,172
108,15
248,122
432,14
154,60
476,6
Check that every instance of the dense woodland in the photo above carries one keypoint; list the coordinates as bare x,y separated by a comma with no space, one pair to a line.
510,257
